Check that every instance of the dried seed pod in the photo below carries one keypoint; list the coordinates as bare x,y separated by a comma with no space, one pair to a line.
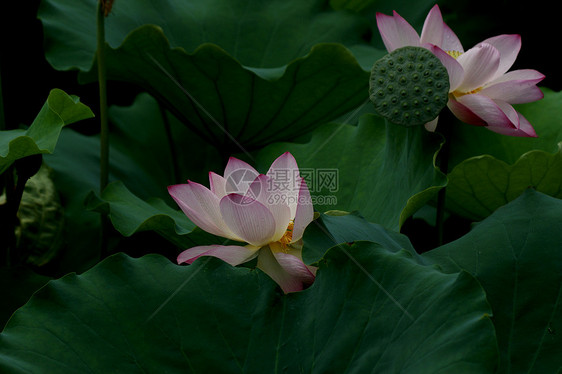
107,5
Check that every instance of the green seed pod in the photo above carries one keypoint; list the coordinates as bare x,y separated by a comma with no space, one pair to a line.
418,76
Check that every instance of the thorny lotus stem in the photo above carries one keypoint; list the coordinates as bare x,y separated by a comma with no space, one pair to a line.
104,125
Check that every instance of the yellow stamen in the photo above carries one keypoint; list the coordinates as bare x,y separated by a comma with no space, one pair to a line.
459,94
454,54
474,91
288,236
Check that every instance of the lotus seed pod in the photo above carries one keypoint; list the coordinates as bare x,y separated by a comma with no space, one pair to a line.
409,86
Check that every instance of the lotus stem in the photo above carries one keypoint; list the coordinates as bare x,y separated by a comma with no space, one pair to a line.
104,125
444,128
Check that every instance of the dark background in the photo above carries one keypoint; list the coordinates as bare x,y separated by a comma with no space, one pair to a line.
27,77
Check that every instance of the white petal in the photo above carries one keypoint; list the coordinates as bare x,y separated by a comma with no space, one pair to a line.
454,68
463,113
432,125
523,127
304,213
238,175
201,206
508,46
433,27
285,180
487,110
249,219
451,41
262,191
515,87
480,65
289,272
232,254
396,32
217,185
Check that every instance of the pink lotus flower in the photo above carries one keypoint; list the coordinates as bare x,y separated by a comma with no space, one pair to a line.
482,90
269,212
396,32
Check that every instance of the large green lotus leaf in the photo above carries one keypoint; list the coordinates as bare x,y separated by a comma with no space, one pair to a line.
257,33
415,15
151,145
41,137
130,214
414,12
232,107
384,171
370,310
337,227
489,169
18,284
516,255
546,117
480,185
156,152
75,167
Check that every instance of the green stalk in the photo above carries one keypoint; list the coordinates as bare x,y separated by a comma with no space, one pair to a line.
2,118
7,230
104,125
171,144
445,123
441,197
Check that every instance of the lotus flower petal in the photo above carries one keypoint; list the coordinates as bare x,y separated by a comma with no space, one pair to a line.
396,32
201,206
304,213
432,125
480,64
249,219
437,33
258,209
478,78
238,175
262,191
454,69
218,185
295,267
433,28
486,109
232,254
285,180
516,87
451,41
508,46
522,127
235,164
286,270
464,113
